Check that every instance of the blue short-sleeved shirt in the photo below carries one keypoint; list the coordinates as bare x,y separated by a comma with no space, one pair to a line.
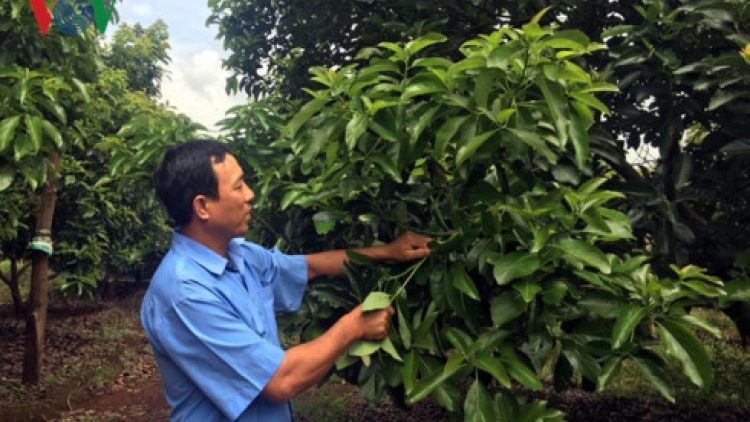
211,323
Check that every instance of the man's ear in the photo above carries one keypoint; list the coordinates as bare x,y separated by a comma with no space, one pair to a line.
200,207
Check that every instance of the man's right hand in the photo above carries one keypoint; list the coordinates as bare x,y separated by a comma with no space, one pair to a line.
372,325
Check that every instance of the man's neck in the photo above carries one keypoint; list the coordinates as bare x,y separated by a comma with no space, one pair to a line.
218,245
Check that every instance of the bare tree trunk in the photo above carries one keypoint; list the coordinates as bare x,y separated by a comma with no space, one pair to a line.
36,319
12,281
15,291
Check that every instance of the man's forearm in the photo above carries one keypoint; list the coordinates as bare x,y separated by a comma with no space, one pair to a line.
331,263
304,365
407,247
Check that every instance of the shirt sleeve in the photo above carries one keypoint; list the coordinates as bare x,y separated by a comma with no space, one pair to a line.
289,290
225,358
286,273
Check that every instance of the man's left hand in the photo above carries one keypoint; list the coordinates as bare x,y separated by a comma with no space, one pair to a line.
408,247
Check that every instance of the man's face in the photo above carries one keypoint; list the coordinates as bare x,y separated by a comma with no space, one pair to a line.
230,212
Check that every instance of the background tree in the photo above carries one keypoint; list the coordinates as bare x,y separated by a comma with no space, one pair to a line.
290,36
67,125
43,79
141,53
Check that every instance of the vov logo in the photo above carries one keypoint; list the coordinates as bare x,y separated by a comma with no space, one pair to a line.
72,17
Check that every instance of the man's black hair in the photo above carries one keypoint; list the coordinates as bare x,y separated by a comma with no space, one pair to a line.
186,172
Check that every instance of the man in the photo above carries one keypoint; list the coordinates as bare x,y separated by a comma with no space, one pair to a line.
209,312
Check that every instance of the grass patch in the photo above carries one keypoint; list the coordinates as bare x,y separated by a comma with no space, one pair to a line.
115,329
106,355
329,403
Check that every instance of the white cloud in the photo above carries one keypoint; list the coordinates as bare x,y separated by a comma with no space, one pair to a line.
194,84
195,87
142,10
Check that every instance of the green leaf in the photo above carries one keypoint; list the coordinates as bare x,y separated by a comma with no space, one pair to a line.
739,147
432,62
506,307
494,367
386,164
424,41
410,370
22,147
422,333
56,109
584,252
422,122
527,289
522,373
404,329
290,197
467,150
610,369
590,101
6,177
345,361
398,52
554,292
82,89
478,406
463,282
354,129
656,376
681,343
469,63
580,141
448,396
703,324
535,142
554,95
737,291
432,381
459,339
500,57
721,98
376,301
364,347
34,130
53,133
513,265
324,222
628,320
387,345
7,131
602,304
581,360
307,111
446,133
422,86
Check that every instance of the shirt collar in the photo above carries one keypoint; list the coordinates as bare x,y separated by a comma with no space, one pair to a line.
204,256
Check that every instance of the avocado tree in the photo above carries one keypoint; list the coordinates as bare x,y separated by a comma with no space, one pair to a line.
62,112
678,65
43,82
494,155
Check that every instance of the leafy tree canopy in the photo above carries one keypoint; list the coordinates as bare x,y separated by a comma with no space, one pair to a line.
141,53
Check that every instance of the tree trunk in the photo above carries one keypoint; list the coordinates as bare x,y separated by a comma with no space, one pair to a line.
15,290
36,319
12,281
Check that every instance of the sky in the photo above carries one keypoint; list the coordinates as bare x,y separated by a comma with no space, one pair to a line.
195,79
